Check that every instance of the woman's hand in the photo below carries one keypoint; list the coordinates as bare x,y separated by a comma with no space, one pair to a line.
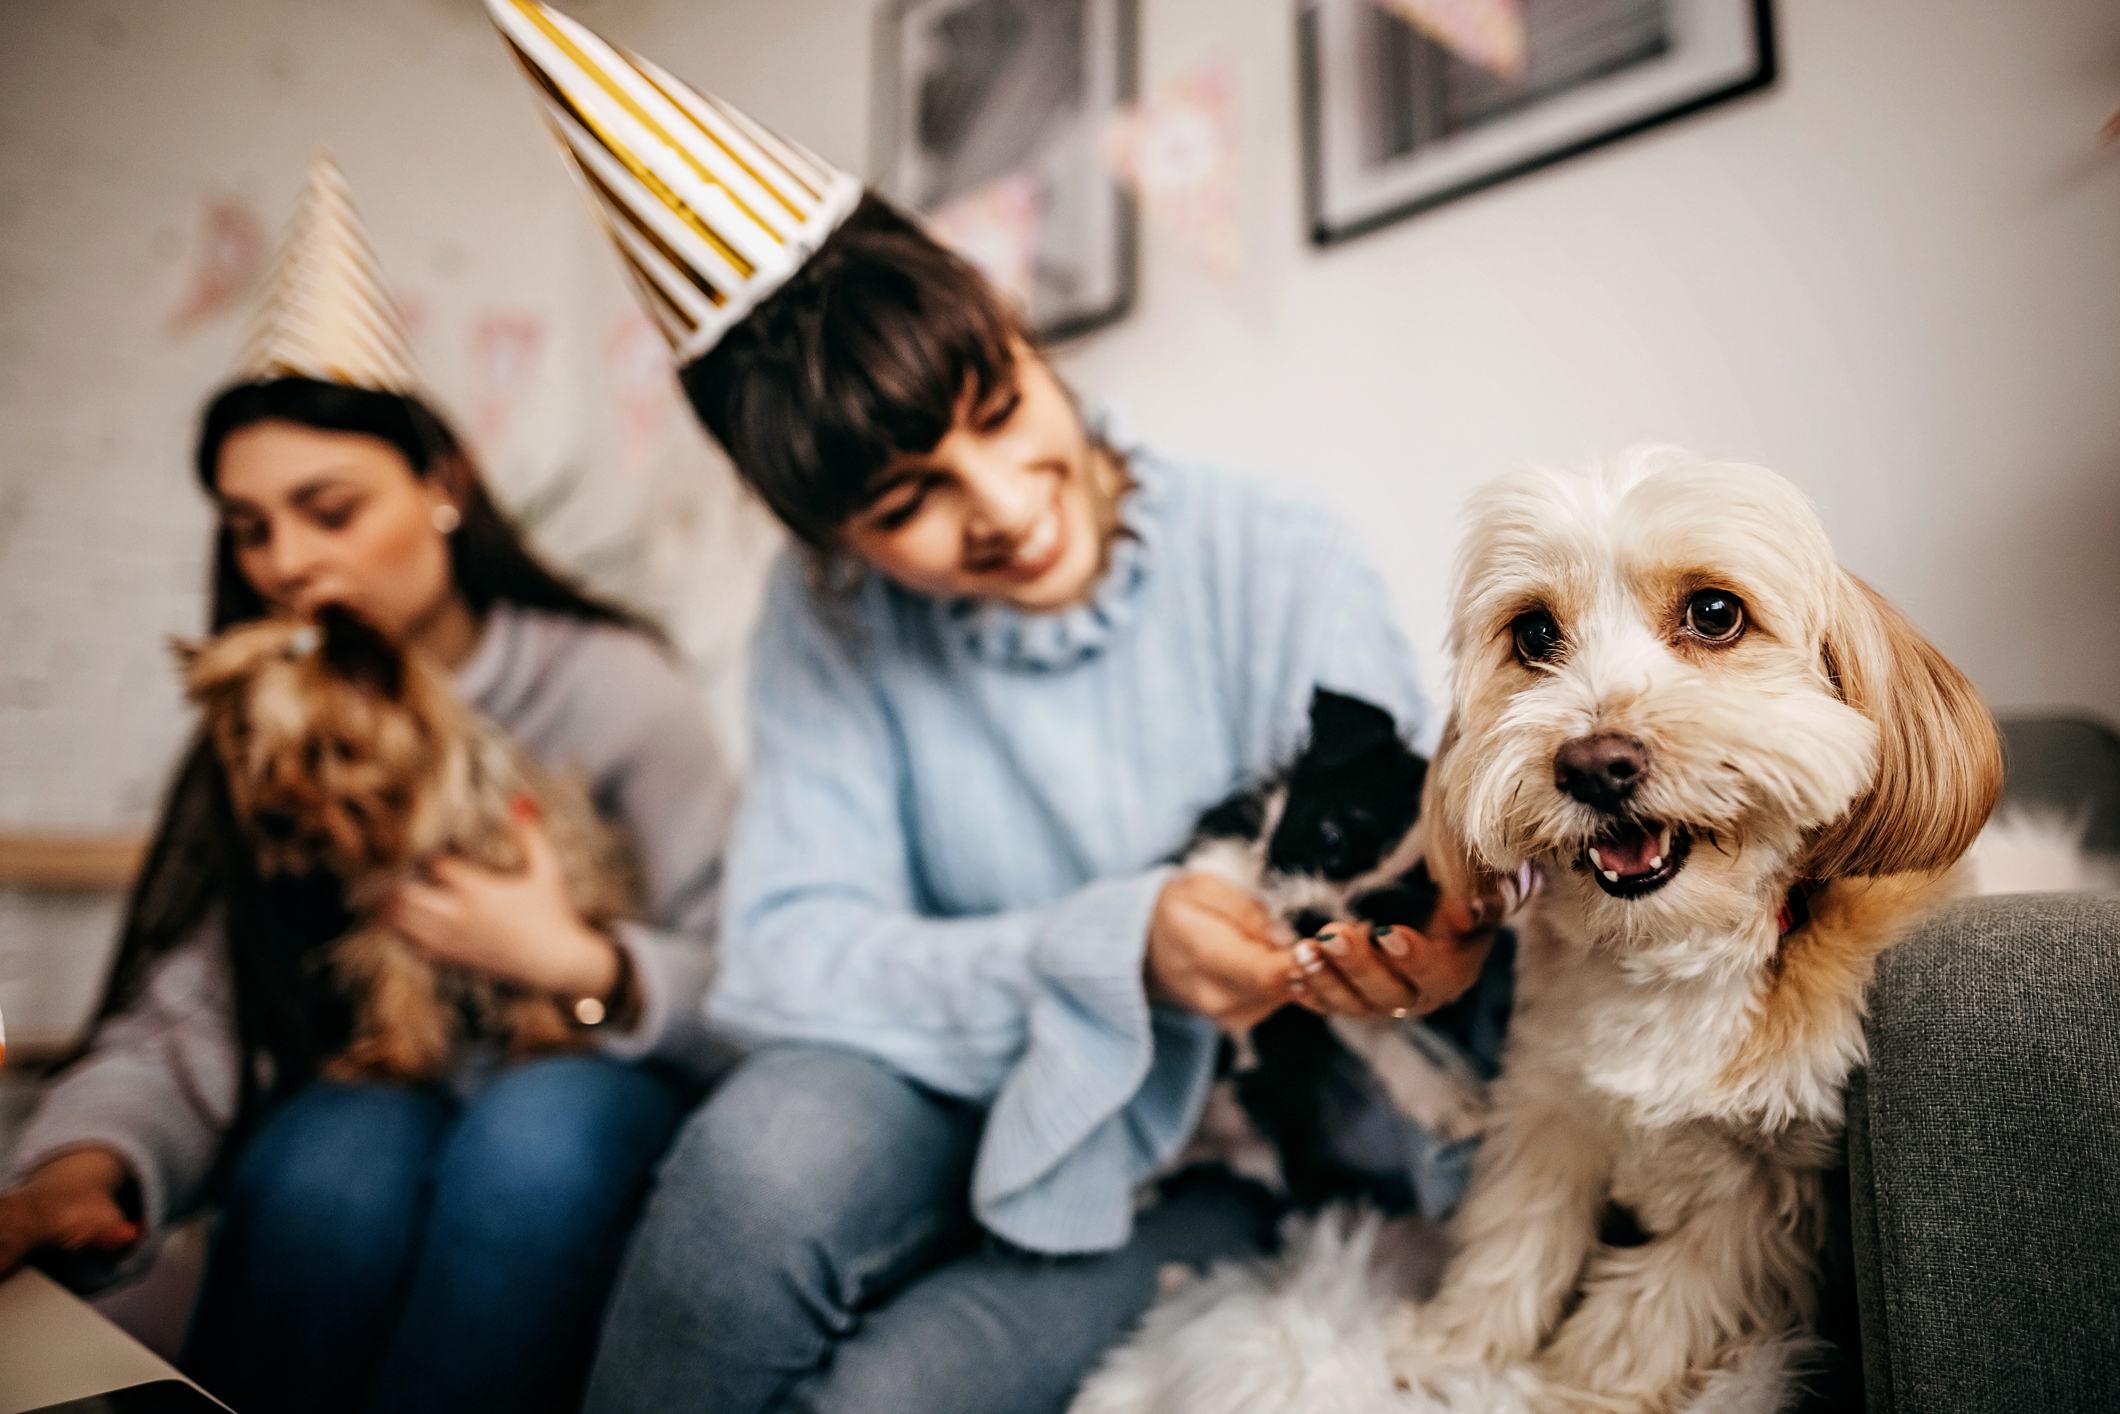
1214,949
519,927
1358,969
71,1202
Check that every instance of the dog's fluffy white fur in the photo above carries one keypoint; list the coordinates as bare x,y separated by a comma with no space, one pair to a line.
2029,850
1673,1051
1313,1333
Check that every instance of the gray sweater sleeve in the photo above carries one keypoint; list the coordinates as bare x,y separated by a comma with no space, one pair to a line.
157,1085
608,706
159,1082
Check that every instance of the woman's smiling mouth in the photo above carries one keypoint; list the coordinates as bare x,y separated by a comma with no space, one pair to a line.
1040,548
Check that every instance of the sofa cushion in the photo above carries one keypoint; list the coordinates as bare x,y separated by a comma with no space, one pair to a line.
1984,1157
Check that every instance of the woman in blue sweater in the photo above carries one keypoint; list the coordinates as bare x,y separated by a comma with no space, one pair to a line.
1004,670
1007,669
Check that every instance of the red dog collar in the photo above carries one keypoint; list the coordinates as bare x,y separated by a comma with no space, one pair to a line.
1796,908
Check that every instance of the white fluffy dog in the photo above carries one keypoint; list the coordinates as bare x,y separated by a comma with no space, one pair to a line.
1742,774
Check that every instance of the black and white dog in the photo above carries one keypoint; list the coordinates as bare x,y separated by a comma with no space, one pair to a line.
1311,1105
1333,837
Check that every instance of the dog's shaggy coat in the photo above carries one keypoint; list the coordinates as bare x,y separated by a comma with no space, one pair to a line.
1742,774
344,754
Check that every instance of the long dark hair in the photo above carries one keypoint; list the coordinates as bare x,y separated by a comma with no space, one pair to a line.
288,1017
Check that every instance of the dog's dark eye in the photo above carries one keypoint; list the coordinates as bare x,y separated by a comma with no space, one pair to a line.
1538,637
1715,616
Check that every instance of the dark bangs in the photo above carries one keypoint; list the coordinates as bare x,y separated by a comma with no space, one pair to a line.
862,356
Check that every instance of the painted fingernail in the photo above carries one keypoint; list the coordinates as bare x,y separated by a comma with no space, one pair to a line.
1391,940
1307,956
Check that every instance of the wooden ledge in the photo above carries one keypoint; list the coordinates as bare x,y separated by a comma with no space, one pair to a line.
36,860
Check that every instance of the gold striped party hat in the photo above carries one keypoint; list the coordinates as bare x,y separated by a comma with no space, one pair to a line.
326,315
710,211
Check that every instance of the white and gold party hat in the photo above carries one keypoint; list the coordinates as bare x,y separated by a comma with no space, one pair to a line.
325,314
710,211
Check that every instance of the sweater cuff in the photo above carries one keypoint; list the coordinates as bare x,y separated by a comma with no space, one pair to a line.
672,972
1106,1089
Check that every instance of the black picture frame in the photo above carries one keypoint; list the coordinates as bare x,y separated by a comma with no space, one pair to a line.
971,91
1355,84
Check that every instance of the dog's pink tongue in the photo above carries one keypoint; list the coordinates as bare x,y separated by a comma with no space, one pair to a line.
1628,851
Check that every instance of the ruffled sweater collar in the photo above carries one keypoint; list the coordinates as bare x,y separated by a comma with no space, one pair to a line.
1001,635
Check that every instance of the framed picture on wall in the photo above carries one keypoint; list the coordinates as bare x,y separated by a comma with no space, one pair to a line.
990,114
1402,113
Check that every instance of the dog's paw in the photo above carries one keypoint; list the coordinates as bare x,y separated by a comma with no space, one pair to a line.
1426,1347
357,1067
535,1026
386,1059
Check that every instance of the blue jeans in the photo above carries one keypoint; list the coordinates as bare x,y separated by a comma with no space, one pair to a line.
387,1248
808,1247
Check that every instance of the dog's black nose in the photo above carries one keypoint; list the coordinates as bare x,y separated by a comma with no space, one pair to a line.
1308,922
276,825
1601,771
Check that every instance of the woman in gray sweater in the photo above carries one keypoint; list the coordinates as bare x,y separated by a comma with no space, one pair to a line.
385,1246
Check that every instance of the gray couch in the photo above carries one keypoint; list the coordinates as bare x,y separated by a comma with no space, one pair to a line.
1984,1163
1976,1263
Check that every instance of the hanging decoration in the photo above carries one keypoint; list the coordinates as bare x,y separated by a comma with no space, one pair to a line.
996,228
505,352
231,250
643,386
1176,150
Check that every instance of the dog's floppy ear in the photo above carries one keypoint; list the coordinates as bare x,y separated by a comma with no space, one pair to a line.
205,673
1939,758
188,652
1343,728
1450,862
359,653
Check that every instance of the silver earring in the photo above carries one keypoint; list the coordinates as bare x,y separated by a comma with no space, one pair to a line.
446,518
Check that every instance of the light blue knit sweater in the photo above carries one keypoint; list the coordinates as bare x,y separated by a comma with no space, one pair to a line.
953,831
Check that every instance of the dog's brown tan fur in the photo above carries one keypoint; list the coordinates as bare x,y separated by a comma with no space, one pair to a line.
1794,773
1679,1046
343,753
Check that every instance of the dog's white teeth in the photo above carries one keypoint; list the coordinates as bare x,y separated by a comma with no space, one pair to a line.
1597,860
1656,864
1613,875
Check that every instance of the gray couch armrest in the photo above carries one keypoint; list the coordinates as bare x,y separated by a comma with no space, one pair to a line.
1984,1162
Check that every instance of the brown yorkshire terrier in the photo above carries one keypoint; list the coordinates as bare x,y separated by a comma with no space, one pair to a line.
346,754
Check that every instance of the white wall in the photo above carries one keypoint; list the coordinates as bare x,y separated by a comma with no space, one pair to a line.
1896,277
120,122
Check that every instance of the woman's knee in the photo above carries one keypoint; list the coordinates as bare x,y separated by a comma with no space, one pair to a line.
336,1167
807,1151
800,1128
554,1146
